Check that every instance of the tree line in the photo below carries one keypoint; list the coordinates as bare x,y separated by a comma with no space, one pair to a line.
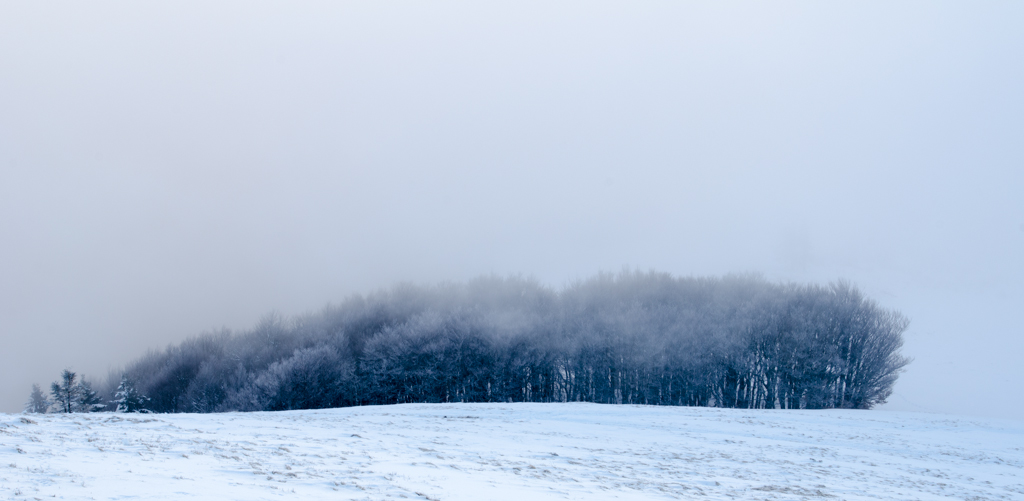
628,338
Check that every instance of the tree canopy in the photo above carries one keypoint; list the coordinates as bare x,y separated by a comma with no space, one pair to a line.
633,337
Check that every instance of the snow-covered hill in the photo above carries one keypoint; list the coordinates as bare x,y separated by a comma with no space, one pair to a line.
512,451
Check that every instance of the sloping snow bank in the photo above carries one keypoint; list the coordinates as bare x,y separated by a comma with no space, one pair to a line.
514,452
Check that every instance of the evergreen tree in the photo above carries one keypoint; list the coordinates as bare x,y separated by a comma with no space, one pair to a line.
87,399
128,398
65,392
37,401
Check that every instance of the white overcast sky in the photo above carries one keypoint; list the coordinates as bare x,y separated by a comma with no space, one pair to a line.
166,169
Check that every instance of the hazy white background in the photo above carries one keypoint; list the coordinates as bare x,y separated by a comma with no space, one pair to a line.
168,169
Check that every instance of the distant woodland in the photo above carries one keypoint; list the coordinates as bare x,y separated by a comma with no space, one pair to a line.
629,338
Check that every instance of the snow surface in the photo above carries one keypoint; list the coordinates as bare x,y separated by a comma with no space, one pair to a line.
513,452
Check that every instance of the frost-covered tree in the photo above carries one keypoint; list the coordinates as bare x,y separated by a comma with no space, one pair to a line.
37,401
313,378
128,398
633,337
65,392
88,400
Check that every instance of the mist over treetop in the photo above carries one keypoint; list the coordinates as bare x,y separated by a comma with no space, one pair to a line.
631,337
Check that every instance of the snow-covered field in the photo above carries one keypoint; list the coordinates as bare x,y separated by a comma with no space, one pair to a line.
514,452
